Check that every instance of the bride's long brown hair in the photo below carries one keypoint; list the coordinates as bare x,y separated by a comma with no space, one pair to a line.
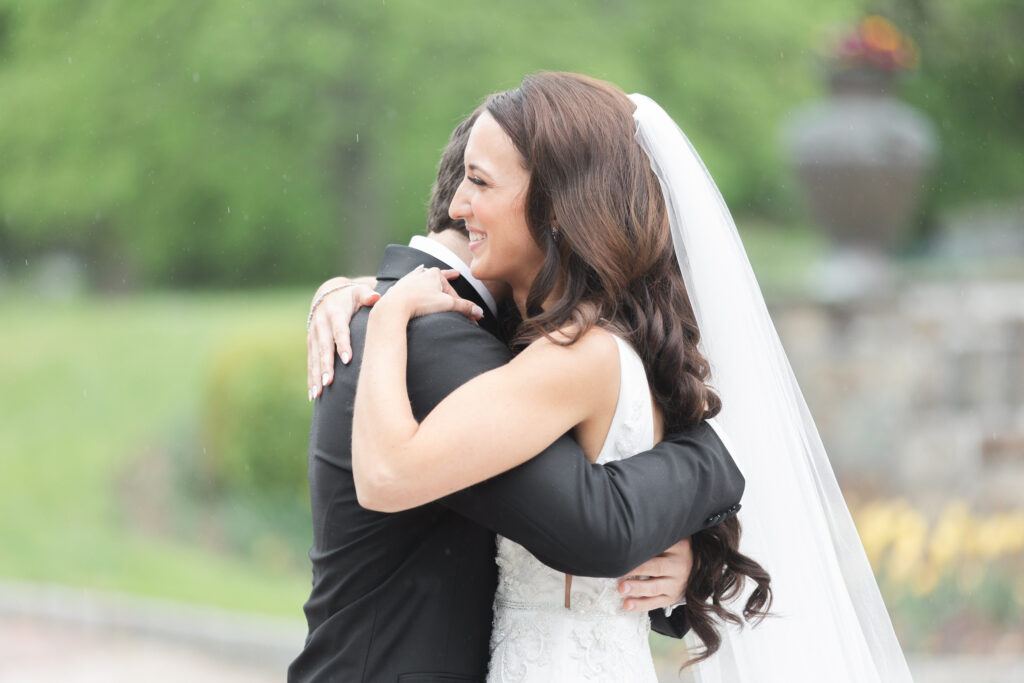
595,207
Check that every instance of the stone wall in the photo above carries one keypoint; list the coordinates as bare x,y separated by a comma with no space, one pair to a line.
920,392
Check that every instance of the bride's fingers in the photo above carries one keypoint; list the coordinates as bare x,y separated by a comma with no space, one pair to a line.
468,309
324,348
427,290
311,366
340,321
451,274
460,305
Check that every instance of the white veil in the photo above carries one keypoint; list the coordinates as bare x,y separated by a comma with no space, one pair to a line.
829,622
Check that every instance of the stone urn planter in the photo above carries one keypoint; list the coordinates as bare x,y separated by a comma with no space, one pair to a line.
861,158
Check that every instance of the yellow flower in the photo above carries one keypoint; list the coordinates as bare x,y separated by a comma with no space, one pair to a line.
950,535
874,524
911,530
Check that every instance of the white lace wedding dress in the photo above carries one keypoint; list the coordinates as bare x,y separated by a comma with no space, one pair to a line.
536,639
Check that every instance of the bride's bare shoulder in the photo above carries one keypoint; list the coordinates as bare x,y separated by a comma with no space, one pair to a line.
593,351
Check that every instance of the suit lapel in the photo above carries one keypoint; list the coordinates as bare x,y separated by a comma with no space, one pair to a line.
400,260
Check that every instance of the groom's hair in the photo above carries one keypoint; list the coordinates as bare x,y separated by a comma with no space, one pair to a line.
450,172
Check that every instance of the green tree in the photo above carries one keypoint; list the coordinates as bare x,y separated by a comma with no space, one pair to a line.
251,142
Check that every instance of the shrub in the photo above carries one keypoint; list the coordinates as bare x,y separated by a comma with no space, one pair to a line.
255,419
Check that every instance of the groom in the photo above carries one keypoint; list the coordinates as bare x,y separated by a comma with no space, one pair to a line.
406,597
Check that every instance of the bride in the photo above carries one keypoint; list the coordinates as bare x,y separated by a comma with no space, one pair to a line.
636,296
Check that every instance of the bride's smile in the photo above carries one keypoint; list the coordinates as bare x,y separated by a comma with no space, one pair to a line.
491,201
475,237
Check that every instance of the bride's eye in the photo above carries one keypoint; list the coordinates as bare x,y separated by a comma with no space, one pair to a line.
475,180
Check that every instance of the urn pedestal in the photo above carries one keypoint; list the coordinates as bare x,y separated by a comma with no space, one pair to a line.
861,157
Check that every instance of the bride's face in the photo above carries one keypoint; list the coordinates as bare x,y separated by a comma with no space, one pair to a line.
491,199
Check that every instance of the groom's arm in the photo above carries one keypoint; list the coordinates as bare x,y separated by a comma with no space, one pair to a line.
576,517
604,520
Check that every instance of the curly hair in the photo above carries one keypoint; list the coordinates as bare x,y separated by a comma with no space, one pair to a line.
612,262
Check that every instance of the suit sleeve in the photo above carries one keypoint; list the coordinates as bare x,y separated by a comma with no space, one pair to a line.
576,517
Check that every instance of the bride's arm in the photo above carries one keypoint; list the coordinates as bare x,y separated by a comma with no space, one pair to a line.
332,307
489,425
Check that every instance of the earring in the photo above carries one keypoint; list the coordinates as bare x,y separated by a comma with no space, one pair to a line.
554,233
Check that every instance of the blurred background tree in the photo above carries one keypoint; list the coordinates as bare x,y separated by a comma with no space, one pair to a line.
253,143
971,82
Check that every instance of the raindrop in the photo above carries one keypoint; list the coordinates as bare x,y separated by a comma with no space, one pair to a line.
195,77
229,209
69,60
357,137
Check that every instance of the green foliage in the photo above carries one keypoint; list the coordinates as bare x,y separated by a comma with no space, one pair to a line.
254,418
256,142
971,81
92,390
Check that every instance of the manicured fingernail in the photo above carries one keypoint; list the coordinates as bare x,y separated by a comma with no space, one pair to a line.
310,395
478,312
325,379
316,392
345,357
626,588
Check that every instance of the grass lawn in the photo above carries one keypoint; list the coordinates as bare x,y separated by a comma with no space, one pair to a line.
85,387
89,386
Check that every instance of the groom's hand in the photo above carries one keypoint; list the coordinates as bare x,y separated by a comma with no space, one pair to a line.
667,575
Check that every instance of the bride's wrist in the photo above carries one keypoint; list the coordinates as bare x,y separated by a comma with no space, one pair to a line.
392,309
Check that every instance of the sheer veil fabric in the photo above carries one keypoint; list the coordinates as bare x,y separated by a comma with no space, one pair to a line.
829,621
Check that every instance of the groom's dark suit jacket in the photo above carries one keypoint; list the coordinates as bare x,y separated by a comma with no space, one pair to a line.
406,597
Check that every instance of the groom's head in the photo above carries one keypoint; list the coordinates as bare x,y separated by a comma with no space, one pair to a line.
450,172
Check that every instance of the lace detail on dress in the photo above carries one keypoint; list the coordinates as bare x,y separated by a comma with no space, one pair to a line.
610,653
535,638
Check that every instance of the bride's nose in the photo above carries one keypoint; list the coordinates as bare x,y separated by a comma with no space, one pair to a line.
459,208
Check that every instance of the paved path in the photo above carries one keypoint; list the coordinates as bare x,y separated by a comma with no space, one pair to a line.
38,651
50,633
56,633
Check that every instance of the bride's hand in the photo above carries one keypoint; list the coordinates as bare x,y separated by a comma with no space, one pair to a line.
335,302
425,291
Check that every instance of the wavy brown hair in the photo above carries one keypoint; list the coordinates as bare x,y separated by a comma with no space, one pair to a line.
611,261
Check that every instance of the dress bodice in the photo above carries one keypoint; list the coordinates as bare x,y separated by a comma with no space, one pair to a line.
535,637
